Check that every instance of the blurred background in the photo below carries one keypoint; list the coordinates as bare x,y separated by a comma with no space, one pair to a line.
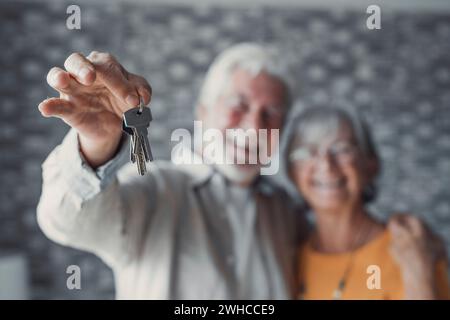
399,77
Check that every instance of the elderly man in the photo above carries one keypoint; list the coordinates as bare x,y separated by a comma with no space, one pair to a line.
192,231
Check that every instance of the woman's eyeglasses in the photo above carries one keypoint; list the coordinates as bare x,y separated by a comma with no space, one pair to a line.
341,152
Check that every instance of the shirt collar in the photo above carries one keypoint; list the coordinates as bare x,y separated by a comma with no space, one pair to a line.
188,160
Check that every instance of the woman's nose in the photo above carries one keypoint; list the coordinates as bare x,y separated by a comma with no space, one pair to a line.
325,161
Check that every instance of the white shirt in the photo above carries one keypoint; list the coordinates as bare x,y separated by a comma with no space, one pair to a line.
179,232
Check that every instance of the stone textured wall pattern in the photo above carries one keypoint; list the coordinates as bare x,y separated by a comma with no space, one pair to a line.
399,77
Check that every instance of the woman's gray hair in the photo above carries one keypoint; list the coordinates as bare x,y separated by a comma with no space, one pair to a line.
251,57
318,122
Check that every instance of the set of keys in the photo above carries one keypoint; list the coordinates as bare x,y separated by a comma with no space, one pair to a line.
136,122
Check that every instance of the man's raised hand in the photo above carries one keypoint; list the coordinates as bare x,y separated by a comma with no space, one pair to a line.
94,91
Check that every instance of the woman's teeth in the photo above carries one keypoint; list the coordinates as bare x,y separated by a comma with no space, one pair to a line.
329,184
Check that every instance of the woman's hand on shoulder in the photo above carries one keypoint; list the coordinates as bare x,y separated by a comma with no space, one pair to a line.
416,251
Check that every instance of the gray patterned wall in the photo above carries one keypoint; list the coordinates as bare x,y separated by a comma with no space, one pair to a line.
399,76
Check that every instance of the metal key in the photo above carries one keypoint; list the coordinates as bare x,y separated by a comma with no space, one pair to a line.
139,121
135,122
132,142
138,153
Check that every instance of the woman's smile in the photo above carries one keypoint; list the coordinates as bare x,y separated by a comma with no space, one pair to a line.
324,190
328,184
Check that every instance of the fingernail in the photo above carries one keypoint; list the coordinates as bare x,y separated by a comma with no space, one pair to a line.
132,100
41,109
84,72
53,79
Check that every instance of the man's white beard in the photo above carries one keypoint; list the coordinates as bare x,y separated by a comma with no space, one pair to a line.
240,175
243,174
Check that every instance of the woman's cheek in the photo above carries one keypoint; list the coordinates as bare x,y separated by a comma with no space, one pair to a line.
356,182
304,176
295,175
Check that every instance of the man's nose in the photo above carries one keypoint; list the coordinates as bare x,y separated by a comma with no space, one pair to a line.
252,120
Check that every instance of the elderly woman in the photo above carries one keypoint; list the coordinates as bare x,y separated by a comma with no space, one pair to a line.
349,254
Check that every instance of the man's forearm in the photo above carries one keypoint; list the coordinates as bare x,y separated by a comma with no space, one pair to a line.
80,208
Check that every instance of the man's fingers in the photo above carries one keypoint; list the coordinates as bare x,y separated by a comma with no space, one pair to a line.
58,79
61,81
416,226
398,230
56,107
143,87
80,68
114,77
398,218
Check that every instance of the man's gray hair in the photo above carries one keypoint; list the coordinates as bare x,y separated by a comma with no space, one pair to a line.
251,57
